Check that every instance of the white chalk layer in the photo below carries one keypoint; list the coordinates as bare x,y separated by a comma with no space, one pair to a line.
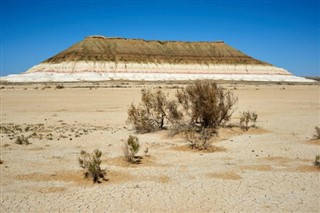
95,76
122,67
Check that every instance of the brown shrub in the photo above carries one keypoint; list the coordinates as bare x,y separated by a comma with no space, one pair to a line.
60,86
150,114
246,117
200,105
317,134
199,141
205,104
317,161
22,140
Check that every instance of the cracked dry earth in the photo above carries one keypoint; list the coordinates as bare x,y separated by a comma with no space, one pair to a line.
263,170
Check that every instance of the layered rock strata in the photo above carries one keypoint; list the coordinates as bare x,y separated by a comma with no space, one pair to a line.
102,58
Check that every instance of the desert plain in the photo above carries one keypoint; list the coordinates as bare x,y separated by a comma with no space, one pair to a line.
266,169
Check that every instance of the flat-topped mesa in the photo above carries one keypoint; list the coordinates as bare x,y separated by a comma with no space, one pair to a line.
103,58
114,49
102,54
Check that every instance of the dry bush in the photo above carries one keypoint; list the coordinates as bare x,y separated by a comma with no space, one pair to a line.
174,115
150,114
201,105
130,149
181,128
317,161
91,163
22,140
1,162
60,86
317,134
246,117
205,104
199,141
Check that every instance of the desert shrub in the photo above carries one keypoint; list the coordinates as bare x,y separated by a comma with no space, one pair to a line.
1,162
317,161
205,104
246,117
200,105
91,164
130,149
201,140
317,134
22,140
181,128
150,114
60,86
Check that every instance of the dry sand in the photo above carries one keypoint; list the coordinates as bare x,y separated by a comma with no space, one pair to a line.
263,170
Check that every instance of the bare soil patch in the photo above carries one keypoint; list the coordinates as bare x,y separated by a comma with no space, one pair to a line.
263,168
225,176
314,142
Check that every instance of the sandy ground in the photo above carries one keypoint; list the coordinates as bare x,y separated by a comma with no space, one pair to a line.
269,169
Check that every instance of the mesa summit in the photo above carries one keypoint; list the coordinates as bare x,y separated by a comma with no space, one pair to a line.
99,58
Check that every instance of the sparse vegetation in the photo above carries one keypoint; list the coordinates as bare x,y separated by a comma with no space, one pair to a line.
197,110
1,162
246,117
317,161
199,141
149,115
317,134
22,140
91,163
130,149
205,104
200,105
60,86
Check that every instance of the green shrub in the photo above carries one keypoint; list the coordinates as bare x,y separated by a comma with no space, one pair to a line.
91,163
131,148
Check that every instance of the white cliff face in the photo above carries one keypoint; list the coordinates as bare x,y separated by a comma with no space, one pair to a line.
101,71
94,76
158,69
